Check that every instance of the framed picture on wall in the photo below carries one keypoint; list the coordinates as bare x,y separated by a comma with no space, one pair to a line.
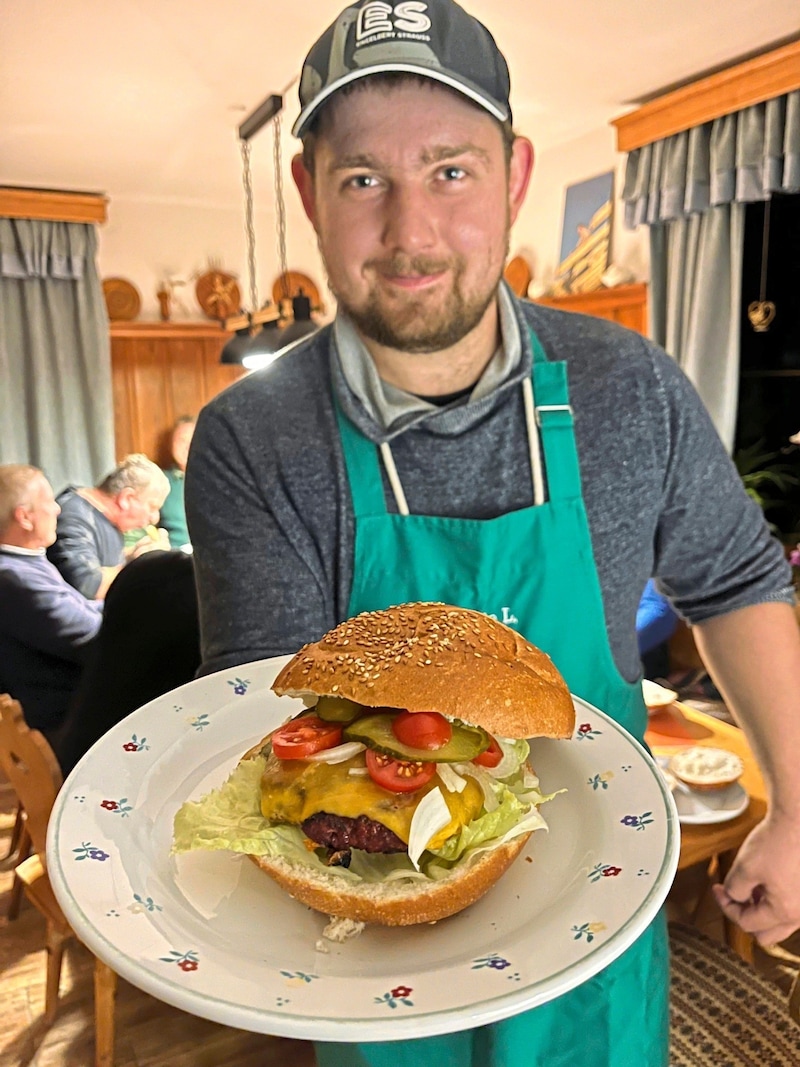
585,234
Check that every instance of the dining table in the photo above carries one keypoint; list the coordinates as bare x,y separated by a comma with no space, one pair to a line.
678,726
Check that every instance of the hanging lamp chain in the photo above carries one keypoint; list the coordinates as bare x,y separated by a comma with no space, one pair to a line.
247,180
280,206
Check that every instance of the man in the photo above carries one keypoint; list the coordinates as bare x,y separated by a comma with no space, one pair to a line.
358,464
173,514
89,548
46,626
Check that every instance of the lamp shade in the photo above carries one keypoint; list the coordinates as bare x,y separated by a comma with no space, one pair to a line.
270,342
236,347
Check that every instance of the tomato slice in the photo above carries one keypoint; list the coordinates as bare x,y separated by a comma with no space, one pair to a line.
304,736
422,729
491,756
396,775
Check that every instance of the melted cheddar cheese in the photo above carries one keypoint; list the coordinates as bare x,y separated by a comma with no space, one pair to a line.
294,790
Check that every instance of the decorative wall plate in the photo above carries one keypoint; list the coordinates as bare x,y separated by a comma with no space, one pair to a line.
123,302
211,934
297,284
218,294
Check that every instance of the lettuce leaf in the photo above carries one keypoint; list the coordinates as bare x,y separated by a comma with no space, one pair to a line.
229,817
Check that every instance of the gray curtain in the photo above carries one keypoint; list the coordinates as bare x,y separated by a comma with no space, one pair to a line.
690,189
56,404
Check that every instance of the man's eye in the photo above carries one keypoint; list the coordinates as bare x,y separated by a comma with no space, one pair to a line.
362,181
453,173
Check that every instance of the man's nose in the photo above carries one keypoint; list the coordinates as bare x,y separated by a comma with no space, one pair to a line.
410,225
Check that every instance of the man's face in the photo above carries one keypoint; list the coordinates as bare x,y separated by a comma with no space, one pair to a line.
181,439
40,513
142,508
412,202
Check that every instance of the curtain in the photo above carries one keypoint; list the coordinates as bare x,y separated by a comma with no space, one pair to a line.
690,189
56,405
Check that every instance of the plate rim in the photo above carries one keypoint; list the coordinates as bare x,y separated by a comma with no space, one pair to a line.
358,1028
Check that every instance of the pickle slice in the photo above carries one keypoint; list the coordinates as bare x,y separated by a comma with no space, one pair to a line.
338,709
375,731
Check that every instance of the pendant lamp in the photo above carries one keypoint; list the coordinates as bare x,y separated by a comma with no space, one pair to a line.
255,347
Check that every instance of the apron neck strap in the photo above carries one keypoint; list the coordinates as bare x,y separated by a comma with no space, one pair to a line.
555,423
549,421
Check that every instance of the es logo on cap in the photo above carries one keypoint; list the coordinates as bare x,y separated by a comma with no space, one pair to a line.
381,18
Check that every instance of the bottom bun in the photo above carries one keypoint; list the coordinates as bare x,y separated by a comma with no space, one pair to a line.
394,903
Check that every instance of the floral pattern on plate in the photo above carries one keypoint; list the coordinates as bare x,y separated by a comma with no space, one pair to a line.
209,933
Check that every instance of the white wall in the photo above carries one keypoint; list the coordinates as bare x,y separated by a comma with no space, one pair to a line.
537,232
147,242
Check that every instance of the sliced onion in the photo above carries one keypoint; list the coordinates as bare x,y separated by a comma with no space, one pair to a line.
472,770
337,754
431,816
358,772
450,780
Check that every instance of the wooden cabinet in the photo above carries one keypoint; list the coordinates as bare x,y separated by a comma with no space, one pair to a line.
625,304
159,372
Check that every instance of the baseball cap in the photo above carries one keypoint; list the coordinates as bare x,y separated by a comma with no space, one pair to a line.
434,38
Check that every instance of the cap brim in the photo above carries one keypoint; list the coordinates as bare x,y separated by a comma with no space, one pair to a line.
466,89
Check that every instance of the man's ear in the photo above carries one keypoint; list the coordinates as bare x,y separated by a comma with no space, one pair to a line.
519,174
304,181
21,518
124,497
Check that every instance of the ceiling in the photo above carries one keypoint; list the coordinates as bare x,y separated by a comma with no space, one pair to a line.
140,99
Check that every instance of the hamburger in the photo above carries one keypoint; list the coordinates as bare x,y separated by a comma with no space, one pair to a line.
400,790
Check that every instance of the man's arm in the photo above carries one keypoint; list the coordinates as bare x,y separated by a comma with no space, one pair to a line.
75,554
50,616
753,654
107,576
253,494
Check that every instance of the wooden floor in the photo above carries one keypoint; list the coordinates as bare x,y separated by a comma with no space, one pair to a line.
149,1033
152,1034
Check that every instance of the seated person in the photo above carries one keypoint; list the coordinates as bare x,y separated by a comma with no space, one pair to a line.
148,644
46,626
655,624
89,547
173,515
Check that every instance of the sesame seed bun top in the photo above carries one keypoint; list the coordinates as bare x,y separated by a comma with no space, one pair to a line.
436,657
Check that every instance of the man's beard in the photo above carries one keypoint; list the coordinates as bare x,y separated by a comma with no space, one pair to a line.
419,324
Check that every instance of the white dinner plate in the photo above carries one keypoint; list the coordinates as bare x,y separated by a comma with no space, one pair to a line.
211,934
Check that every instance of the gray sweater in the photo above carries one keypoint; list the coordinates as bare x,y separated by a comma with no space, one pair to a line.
271,520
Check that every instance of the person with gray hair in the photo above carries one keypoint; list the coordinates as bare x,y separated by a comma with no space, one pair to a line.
89,547
46,626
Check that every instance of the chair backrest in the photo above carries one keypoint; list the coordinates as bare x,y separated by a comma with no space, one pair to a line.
30,765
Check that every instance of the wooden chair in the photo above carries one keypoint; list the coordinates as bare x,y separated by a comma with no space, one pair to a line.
30,765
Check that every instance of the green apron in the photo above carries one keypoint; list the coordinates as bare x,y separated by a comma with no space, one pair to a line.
533,569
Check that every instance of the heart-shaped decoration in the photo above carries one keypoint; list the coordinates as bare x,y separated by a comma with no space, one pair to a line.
761,313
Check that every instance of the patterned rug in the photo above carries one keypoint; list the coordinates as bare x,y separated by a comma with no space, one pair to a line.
722,1012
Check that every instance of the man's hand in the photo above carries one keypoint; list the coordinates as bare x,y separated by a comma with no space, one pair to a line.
760,893
154,540
753,655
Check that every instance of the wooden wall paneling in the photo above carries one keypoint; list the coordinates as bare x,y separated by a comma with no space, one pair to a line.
217,376
149,382
161,371
122,354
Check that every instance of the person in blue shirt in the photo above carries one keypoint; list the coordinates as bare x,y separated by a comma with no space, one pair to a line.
47,627
655,624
